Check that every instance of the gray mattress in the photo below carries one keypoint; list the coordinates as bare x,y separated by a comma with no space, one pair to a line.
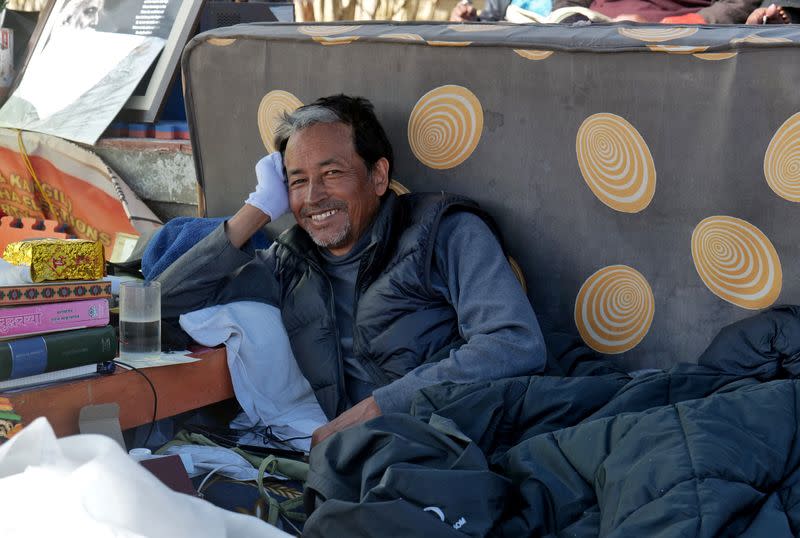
646,178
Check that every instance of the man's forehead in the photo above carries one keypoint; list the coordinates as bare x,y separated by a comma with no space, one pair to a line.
319,144
327,131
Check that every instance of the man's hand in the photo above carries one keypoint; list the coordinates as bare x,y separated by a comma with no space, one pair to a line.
270,195
361,412
463,12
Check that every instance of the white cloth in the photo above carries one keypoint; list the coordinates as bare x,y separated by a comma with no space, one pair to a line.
86,486
224,461
14,275
266,378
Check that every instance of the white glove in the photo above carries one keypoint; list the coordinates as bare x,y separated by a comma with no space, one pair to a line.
270,195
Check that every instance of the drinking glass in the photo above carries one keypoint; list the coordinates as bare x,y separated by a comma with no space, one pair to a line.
139,320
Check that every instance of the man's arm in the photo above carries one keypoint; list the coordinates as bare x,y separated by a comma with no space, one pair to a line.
244,224
495,318
216,270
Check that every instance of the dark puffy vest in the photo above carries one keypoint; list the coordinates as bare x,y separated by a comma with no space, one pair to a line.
400,322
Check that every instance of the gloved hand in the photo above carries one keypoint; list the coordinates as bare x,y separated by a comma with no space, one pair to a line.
270,195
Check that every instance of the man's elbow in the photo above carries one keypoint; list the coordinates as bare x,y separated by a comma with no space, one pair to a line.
536,354
534,348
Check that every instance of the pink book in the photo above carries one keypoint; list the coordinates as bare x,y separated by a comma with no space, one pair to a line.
45,318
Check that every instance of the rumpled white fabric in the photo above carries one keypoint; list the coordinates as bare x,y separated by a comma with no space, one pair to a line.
14,275
86,486
266,378
224,461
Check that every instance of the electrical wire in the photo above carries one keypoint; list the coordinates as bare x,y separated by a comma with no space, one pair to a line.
155,397
215,470
274,437
24,154
211,473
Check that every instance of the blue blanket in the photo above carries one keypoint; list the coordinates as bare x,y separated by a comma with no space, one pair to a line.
179,235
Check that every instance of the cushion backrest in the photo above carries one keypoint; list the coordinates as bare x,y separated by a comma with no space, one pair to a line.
646,178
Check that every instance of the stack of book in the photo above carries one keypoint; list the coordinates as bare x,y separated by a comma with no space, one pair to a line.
10,422
54,330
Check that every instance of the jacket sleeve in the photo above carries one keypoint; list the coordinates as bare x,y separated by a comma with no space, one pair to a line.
495,319
729,11
215,272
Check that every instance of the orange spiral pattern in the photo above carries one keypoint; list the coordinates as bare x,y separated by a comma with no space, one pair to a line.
756,39
403,37
616,163
530,54
220,42
614,309
657,35
715,56
474,28
737,262
326,31
270,110
338,40
782,160
677,49
445,127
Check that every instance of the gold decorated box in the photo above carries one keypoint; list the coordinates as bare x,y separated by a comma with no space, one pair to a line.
58,259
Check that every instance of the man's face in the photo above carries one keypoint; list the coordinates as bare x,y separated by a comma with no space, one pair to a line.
332,194
85,13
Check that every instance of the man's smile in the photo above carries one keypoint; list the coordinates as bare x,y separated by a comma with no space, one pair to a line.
319,217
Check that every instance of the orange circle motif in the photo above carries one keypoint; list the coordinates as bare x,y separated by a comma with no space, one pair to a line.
737,262
445,127
782,160
657,35
614,309
615,162
270,111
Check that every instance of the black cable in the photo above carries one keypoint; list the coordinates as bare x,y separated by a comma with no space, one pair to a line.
268,437
274,437
155,397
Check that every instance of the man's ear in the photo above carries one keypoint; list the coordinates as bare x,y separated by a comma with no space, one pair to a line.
380,176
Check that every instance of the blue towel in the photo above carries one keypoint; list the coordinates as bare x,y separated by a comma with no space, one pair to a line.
179,235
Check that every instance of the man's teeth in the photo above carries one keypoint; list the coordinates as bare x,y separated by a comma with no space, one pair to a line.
322,216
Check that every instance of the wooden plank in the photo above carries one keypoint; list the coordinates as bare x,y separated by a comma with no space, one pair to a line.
180,388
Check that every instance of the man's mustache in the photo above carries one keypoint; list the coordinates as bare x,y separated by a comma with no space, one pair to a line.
307,211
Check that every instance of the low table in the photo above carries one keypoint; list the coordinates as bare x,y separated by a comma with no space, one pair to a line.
180,388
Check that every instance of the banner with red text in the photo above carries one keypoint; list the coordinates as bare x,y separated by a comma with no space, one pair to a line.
77,189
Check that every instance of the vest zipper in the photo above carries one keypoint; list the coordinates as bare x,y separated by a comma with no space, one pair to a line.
332,311
379,376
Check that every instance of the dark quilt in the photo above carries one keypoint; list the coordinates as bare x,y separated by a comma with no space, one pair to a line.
704,449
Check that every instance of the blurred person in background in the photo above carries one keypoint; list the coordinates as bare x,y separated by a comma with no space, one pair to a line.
788,12
80,14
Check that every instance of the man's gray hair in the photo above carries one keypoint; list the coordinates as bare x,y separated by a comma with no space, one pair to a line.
300,119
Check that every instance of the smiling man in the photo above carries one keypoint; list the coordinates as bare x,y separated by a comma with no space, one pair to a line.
381,295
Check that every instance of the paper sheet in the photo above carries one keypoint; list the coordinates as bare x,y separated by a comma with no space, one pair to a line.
78,82
166,359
